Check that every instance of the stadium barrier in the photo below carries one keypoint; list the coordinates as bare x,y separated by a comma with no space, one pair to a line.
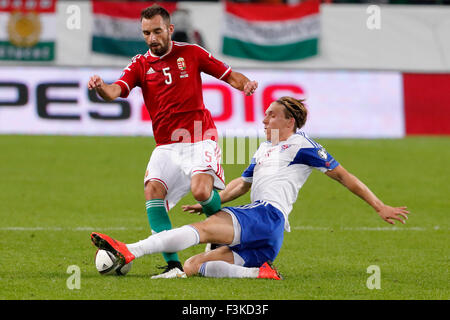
427,103
342,104
45,100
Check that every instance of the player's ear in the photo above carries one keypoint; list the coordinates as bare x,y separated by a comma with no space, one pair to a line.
292,123
171,28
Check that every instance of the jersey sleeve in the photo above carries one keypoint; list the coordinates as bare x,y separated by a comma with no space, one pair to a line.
212,66
316,157
130,77
247,175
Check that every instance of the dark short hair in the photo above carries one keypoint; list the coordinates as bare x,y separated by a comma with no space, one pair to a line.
155,10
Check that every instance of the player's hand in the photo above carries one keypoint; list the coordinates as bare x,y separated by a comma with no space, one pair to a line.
194,208
250,88
389,214
95,82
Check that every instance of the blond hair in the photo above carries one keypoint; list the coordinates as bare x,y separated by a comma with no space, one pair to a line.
294,108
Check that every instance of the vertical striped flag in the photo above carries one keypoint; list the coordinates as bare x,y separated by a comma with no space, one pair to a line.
271,32
117,28
27,30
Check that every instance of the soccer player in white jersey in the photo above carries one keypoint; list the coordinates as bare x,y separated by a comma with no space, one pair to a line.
253,234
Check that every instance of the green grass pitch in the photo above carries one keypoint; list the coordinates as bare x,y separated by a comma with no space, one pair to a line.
56,190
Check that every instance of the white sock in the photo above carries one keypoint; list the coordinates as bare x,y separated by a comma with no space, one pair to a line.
166,241
222,269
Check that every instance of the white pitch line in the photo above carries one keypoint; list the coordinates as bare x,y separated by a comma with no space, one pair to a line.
302,228
299,228
69,229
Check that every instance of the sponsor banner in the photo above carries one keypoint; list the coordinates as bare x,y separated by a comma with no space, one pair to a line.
117,28
271,32
27,30
39,100
427,103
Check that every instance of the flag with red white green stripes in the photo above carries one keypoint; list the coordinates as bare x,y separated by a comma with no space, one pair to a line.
271,32
117,27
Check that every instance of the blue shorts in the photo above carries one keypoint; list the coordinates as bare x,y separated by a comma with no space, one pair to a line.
262,232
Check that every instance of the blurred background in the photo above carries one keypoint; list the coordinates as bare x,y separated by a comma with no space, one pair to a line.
368,69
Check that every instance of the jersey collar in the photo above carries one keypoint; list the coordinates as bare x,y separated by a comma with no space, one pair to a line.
282,142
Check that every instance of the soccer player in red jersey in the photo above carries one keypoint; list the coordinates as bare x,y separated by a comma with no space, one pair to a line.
187,156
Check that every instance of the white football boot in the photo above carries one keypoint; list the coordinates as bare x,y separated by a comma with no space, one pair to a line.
172,273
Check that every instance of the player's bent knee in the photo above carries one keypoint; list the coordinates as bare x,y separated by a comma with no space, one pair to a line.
201,193
154,190
201,186
191,266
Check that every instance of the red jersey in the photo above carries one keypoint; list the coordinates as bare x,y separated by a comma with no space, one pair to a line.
172,88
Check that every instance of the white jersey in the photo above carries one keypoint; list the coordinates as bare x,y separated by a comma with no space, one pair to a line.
277,172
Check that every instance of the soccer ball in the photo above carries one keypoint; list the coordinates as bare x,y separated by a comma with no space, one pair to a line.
105,262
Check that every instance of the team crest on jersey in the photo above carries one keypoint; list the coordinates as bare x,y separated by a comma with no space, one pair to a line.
322,153
284,147
181,64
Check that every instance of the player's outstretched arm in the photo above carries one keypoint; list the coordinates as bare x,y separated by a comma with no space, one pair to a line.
387,213
239,81
233,190
108,92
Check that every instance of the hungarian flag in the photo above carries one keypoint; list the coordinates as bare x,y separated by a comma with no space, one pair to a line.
117,27
271,32
27,30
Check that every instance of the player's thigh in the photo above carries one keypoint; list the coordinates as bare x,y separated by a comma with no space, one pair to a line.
204,158
218,228
193,264
164,170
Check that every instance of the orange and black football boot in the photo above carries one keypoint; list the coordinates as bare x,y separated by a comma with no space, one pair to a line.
268,271
117,248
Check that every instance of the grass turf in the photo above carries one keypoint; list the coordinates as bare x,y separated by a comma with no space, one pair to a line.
56,190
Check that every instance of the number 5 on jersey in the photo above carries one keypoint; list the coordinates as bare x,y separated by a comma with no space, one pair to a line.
208,156
168,75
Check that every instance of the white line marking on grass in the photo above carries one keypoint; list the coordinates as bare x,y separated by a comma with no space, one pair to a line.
384,229
69,229
299,228
302,228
